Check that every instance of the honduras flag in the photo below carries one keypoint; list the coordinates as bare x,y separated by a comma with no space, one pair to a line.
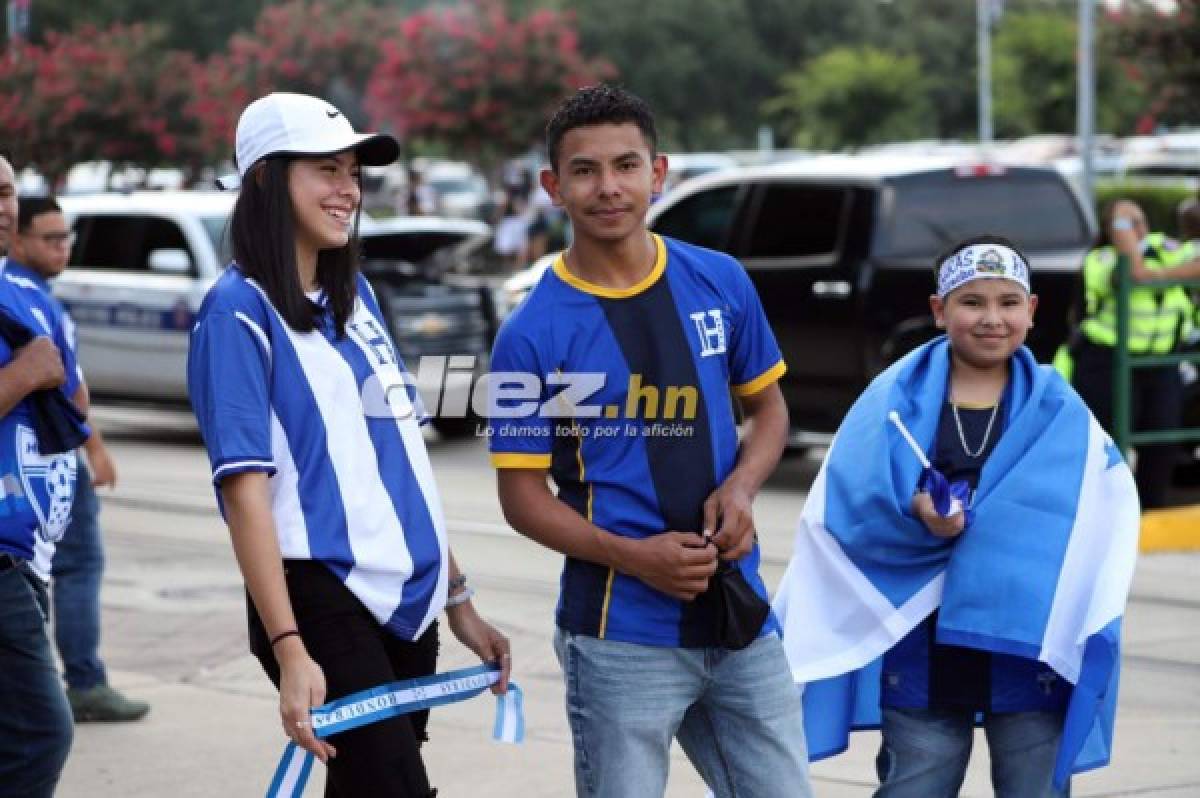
1042,571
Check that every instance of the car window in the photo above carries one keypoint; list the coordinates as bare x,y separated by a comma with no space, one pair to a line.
933,211
703,219
797,220
217,228
123,242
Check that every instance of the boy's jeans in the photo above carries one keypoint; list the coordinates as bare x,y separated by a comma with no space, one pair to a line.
35,721
77,569
925,753
736,715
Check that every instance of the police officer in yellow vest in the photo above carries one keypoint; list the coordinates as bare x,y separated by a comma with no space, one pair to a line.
1159,319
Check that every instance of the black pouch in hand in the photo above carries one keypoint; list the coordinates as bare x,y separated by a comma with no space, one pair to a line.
740,612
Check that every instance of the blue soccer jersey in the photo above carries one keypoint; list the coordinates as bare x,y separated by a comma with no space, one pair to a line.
36,491
331,420
624,396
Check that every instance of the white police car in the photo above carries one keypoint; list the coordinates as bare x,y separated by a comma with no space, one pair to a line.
142,263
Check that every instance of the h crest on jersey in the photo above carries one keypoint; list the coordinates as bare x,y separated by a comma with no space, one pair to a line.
710,326
49,482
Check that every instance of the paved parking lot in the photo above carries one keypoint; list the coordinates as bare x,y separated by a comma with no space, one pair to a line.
174,635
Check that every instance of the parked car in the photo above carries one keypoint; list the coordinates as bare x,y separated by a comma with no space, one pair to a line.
142,263
841,251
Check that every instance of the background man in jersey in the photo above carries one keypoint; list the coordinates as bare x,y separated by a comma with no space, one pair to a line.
653,489
35,721
40,253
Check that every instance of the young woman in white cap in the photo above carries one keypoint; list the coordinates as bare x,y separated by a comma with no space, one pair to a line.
317,458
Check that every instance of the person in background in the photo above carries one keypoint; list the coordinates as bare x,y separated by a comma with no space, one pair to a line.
39,254
35,719
1159,319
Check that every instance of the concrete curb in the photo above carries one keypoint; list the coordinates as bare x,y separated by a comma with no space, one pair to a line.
1171,529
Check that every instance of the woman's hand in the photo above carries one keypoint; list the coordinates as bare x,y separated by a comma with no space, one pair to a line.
484,639
301,686
950,526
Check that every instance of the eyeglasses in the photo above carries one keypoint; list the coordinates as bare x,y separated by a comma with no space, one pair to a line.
55,239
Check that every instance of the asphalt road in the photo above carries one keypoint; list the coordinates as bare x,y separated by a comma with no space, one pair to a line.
174,634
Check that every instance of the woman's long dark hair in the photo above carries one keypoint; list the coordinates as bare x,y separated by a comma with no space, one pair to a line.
263,233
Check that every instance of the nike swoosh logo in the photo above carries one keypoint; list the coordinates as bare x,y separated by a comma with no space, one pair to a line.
332,114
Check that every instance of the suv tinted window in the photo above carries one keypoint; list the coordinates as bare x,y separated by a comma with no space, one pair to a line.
932,212
123,242
703,219
797,220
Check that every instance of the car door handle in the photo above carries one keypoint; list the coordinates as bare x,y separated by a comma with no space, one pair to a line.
831,289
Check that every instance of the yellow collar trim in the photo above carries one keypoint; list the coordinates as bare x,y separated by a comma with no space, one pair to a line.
660,266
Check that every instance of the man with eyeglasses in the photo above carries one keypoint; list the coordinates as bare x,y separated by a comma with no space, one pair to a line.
40,252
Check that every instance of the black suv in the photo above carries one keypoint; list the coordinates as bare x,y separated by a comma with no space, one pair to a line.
841,250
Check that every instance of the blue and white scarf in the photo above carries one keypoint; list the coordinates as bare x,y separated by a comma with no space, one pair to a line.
1042,571
399,698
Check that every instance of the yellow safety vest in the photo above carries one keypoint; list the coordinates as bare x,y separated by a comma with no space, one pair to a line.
1158,317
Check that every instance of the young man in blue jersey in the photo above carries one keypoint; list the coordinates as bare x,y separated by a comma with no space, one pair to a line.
40,252
35,720
613,377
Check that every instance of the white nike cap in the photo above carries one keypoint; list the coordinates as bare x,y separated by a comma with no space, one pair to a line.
298,124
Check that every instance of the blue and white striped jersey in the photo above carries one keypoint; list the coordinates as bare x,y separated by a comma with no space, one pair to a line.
331,422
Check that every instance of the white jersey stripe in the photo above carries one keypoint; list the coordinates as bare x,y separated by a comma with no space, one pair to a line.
370,516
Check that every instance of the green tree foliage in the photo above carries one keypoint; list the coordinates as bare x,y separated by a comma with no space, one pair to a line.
852,97
1165,52
1035,78
198,26
697,62
113,95
477,78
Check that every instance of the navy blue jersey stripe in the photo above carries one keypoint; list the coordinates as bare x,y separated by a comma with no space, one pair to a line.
648,330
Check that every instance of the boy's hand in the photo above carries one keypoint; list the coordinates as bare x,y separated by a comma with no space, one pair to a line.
676,563
729,520
941,526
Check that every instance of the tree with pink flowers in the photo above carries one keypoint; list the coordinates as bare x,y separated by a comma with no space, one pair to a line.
96,95
477,79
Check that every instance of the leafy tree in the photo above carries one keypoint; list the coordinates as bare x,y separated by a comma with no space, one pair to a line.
321,48
852,97
197,26
1162,48
477,79
93,94
699,63
1035,78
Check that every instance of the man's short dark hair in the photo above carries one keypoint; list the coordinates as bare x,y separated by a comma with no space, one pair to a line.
599,105
29,208
976,241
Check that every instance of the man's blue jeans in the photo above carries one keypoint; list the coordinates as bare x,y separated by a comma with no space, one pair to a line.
925,753
735,713
77,570
35,720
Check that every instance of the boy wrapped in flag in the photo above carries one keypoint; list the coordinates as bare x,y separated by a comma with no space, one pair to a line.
980,579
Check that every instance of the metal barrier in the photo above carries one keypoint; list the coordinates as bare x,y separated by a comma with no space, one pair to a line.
1124,363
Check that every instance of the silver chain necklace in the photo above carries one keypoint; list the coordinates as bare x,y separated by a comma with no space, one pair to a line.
987,433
